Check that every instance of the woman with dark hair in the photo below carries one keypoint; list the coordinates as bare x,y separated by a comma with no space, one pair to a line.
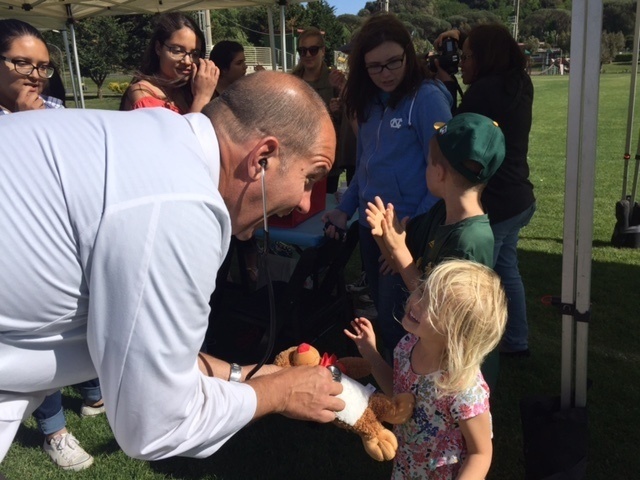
25,68
396,108
494,67
229,58
174,73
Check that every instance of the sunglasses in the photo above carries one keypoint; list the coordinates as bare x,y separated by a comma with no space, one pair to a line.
313,51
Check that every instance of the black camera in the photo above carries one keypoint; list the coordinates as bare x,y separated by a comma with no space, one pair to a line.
447,57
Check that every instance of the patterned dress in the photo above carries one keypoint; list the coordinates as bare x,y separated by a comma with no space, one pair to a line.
431,444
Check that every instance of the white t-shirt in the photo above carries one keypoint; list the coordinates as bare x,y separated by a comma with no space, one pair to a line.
112,233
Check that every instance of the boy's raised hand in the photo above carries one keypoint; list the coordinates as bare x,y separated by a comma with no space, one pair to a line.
375,216
393,230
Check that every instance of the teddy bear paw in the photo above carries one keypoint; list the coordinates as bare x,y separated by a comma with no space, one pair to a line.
381,447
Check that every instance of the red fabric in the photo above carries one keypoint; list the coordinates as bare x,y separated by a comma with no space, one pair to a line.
151,102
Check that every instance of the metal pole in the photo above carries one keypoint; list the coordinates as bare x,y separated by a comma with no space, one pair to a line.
515,26
272,39
77,62
207,31
283,38
579,193
632,101
65,39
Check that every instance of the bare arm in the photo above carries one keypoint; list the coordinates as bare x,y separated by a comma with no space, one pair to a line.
214,367
477,435
364,337
305,393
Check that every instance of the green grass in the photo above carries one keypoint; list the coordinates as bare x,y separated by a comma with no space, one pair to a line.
276,447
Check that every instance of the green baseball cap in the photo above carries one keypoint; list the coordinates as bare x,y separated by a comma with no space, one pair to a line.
470,136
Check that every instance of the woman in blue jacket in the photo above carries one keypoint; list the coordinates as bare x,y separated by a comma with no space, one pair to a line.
396,103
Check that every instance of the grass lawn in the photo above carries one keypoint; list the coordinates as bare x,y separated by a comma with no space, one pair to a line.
276,447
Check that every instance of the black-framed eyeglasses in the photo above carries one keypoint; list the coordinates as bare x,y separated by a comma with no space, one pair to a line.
26,68
180,53
392,65
313,51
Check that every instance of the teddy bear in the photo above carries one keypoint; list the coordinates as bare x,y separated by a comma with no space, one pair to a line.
365,410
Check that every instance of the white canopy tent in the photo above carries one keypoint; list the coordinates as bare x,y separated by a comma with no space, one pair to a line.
60,15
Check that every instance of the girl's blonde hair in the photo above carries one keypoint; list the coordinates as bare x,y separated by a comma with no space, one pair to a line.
464,301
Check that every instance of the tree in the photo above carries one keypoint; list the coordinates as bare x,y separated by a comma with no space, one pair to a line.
532,44
611,44
102,44
618,17
541,23
350,22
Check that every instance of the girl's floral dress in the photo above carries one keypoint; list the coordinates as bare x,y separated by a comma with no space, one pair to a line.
430,444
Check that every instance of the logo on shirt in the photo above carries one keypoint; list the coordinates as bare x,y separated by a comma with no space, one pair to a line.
395,123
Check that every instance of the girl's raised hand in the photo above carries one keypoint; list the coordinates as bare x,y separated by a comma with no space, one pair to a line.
363,336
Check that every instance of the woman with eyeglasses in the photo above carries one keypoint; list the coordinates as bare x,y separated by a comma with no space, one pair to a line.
396,104
174,74
25,68
494,67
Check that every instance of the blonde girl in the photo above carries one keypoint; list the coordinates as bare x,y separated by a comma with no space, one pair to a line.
454,319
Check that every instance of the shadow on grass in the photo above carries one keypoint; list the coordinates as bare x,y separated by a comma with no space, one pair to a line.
613,400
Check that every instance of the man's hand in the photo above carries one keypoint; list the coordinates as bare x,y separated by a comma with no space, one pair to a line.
302,393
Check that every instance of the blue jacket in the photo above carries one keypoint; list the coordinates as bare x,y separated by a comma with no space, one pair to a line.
393,145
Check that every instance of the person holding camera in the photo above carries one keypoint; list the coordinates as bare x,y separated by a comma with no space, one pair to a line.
174,72
396,108
494,68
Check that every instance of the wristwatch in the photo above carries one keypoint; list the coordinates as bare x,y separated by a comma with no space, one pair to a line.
235,373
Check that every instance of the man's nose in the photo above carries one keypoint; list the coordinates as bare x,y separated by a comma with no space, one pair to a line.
305,203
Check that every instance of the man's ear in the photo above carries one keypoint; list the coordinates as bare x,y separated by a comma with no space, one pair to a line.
264,156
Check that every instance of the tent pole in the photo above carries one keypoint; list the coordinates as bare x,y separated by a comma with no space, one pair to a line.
579,192
206,26
632,102
272,39
75,53
283,38
65,39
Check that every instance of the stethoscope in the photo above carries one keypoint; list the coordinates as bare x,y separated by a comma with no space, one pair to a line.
265,268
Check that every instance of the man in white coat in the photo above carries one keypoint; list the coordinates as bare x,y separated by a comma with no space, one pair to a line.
114,225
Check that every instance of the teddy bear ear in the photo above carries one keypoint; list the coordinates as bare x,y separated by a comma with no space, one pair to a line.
284,358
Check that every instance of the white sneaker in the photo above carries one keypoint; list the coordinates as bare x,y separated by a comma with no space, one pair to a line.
66,452
87,411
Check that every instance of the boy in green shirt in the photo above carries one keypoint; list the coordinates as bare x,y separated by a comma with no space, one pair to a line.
463,155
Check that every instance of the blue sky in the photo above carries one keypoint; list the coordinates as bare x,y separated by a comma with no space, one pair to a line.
347,6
